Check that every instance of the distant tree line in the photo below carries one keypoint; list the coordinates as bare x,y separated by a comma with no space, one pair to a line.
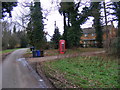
13,38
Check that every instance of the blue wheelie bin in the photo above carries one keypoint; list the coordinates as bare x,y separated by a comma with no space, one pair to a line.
38,53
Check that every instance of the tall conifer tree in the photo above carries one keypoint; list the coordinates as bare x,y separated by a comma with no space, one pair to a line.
96,6
56,37
38,38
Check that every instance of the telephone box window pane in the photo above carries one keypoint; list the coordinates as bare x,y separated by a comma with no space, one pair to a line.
62,47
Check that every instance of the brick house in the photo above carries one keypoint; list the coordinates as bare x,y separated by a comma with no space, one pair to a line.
88,38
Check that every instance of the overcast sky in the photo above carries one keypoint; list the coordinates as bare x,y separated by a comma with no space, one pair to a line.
52,16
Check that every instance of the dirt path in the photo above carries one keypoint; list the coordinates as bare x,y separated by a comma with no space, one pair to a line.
48,58
15,72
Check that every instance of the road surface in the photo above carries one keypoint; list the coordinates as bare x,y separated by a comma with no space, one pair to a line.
16,74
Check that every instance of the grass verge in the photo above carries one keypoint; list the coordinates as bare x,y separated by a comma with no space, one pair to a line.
83,72
54,52
8,51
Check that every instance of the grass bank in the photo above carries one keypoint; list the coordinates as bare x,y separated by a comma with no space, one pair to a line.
83,72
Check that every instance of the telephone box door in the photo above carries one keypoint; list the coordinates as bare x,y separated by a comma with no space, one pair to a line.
62,46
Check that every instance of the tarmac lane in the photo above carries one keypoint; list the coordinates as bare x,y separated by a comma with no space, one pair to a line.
16,73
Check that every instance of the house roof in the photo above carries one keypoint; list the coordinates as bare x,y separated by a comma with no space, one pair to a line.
88,30
92,30
88,39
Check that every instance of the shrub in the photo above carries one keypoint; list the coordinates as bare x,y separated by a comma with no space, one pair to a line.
115,46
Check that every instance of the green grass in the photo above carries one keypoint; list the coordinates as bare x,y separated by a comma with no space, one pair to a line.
85,72
8,50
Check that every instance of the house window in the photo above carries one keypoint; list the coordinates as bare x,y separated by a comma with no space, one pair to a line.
86,35
84,42
95,42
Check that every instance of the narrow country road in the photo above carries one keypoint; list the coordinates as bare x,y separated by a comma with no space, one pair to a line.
16,74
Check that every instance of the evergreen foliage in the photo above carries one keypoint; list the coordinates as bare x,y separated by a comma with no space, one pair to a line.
35,27
14,29
72,21
8,7
30,33
64,10
115,45
116,8
56,37
96,6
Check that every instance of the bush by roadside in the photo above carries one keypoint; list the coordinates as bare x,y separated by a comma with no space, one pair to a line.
114,48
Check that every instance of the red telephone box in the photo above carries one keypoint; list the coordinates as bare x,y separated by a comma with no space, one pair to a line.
62,46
